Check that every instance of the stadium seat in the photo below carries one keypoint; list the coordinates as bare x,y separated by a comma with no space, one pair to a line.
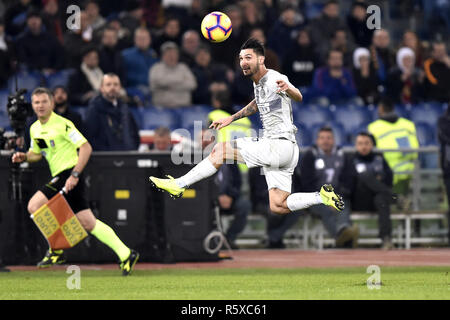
426,134
81,110
339,133
59,78
4,121
27,80
3,101
188,115
153,118
400,109
352,117
303,136
311,115
426,112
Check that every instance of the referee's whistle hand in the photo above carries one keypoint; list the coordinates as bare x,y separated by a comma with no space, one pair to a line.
18,157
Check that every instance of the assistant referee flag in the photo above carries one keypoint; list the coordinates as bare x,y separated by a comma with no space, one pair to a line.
58,223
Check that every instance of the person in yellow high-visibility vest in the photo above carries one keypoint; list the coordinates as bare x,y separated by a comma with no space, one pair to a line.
392,132
239,128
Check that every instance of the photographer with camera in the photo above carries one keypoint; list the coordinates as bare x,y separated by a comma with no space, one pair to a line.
57,139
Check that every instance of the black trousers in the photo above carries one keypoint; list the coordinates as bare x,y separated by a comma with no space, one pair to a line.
373,195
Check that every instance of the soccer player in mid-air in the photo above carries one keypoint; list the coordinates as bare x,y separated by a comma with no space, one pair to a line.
276,152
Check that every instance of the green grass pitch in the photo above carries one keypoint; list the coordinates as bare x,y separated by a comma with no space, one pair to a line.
230,284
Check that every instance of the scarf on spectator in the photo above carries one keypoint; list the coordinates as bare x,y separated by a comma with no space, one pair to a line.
94,76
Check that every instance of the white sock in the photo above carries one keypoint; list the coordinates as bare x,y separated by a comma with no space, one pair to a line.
202,170
302,200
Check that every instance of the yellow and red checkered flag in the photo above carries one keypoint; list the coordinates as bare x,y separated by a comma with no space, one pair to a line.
58,223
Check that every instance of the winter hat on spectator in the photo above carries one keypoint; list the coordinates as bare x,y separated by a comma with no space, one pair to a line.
404,52
358,53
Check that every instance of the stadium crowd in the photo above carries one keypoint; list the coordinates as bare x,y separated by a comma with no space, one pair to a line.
156,49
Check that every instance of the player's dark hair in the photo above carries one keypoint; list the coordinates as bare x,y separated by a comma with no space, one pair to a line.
387,104
325,129
162,131
42,90
254,44
368,135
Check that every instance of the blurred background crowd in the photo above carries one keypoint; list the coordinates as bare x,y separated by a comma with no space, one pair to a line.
170,75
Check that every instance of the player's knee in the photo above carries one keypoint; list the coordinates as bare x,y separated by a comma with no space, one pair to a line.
278,208
32,207
218,152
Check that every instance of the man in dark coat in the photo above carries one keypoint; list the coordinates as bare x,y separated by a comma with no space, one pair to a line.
110,126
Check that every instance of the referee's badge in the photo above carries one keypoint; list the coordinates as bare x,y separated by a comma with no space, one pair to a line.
52,143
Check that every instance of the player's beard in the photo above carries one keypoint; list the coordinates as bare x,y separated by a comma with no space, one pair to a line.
252,72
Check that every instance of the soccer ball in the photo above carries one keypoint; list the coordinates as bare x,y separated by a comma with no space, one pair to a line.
216,26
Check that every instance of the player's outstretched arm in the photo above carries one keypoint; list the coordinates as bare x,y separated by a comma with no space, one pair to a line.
290,90
248,110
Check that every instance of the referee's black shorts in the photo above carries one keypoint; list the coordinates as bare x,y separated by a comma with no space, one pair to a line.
75,197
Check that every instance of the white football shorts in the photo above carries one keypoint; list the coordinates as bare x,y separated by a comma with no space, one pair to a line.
277,157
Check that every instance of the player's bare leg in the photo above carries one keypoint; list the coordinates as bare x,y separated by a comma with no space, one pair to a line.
221,153
282,202
36,201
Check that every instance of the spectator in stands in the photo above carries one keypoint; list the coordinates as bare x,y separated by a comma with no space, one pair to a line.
444,140
301,61
110,55
340,42
323,163
207,75
392,132
124,35
38,49
6,56
170,32
16,17
271,58
412,41
283,32
62,107
195,15
85,83
171,81
382,57
139,59
437,72
132,17
405,82
323,27
76,41
333,83
110,126
94,18
227,52
357,23
365,77
373,190
189,47
52,19
252,15
161,140
230,199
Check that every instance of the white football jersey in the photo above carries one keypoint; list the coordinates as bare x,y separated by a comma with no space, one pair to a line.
275,109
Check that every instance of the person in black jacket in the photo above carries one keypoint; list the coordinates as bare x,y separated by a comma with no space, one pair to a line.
444,140
38,49
230,199
322,163
373,190
110,126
